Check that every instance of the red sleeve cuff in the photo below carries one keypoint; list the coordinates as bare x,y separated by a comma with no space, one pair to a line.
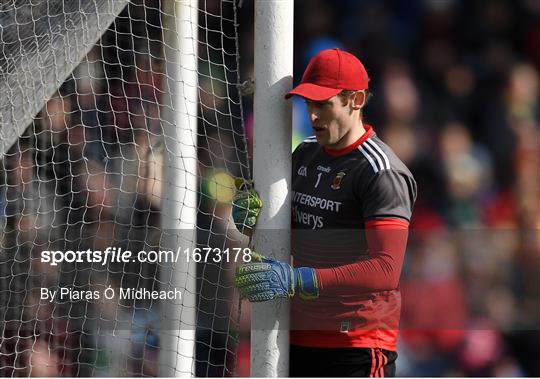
387,223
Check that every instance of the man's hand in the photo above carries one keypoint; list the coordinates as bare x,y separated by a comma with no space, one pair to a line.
246,206
266,279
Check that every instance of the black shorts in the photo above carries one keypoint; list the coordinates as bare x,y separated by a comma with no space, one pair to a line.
327,362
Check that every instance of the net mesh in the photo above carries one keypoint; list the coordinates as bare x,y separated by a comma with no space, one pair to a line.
87,99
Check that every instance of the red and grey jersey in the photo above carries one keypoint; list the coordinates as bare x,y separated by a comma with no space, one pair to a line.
351,209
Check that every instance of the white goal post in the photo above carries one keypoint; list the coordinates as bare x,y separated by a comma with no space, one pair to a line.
274,36
179,211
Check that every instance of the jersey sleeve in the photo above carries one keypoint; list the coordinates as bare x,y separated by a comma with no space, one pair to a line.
389,194
387,242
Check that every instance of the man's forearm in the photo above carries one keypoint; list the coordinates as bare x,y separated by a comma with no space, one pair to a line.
387,242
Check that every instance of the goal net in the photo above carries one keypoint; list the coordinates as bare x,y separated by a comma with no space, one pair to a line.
120,132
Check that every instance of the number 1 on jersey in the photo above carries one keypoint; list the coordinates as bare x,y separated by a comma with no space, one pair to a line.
318,179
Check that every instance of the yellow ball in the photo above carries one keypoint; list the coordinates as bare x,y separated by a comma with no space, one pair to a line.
219,185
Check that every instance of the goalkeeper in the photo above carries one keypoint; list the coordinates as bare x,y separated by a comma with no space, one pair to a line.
352,201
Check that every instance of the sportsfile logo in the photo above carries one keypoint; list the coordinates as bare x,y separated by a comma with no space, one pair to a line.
118,255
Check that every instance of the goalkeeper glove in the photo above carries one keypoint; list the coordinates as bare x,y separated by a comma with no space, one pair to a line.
246,205
266,279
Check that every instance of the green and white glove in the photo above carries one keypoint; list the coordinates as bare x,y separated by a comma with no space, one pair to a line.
246,205
266,279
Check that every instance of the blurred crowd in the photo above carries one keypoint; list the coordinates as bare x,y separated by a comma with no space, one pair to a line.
456,94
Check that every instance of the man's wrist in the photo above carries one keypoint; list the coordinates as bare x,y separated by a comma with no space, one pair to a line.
307,283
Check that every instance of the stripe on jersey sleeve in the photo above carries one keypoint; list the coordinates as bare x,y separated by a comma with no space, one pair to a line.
375,156
381,152
369,158
310,139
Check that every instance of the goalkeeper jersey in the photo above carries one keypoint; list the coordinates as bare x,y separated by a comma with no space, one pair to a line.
350,214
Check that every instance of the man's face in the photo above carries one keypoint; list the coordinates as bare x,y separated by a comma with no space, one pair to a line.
331,120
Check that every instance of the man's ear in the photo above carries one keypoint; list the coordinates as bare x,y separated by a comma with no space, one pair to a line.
359,100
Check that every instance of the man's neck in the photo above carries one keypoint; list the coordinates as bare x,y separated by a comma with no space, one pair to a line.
354,134
367,132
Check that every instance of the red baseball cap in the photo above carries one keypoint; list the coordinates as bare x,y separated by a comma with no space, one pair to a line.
330,72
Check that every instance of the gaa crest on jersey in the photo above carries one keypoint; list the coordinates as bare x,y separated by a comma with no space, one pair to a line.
302,171
336,183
